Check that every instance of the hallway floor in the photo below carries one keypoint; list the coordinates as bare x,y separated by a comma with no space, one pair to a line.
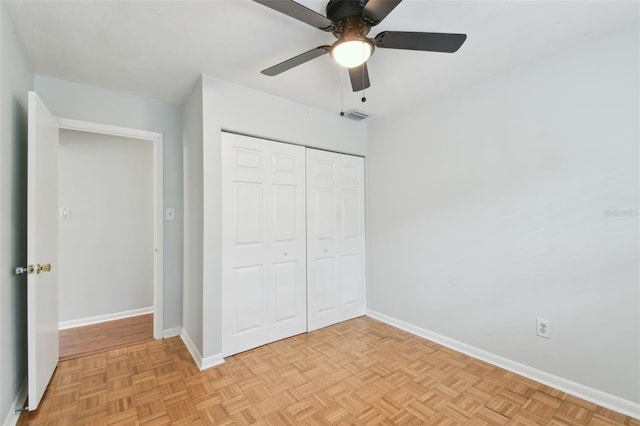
95,338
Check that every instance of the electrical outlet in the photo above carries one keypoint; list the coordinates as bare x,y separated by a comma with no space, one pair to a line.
543,328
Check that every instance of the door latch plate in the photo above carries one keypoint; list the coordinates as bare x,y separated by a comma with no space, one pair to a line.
29,269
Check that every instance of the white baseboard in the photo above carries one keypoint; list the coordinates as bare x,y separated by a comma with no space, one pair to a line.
193,351
212,361
12,417
626,407
203,364
103,318
171,332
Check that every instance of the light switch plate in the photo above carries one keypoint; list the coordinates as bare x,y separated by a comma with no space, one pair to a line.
170,213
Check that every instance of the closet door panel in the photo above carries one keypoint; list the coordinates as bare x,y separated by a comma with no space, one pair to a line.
286,279
248,214
284,217
322,288
249,298
263,242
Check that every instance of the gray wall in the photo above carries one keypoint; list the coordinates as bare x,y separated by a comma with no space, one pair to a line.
227,106
15,81
517,198
78,101
193,216
105,258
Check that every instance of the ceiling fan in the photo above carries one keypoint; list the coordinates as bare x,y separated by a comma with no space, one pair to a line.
350,21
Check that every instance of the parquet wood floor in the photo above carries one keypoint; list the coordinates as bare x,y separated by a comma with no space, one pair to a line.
358,372
91,339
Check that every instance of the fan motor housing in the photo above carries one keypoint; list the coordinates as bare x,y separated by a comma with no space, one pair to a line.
340,9
347,18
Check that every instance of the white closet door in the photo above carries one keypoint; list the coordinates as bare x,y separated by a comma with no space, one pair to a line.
335,238
263,242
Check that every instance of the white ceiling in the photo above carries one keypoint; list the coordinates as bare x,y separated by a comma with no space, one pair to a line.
159,48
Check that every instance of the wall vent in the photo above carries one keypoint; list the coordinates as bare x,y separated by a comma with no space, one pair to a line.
355,114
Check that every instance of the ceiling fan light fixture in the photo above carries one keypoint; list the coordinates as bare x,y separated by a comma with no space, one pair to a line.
352,52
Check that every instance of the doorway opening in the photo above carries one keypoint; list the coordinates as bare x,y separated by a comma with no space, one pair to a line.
111,246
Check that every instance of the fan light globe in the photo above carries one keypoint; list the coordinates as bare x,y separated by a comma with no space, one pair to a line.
351,53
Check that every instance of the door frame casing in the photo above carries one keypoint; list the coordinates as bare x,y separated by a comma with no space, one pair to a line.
158,203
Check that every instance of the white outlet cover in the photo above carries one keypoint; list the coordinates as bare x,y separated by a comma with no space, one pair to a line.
543,328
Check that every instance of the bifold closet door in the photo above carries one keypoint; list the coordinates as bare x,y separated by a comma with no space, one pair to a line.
335,238
263,242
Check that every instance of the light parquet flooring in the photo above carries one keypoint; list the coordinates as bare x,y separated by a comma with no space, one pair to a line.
358,372
91,339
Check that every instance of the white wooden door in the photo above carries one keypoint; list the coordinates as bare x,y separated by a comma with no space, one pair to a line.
263,242
335,238
42,248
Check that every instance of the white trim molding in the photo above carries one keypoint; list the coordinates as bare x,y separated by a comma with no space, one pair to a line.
203,364
63,325
171,332
106,129
191,347
158,202
18,403
621,405
212,361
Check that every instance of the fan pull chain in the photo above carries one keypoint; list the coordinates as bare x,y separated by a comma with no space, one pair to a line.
364,98
341,92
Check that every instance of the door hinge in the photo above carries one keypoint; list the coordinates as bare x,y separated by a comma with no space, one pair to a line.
29,269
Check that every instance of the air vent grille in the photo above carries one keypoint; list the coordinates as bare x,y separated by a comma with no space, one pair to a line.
355,114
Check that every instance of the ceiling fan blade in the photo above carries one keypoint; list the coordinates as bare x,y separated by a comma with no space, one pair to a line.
299,12
296,60
376,10
430,42
359,77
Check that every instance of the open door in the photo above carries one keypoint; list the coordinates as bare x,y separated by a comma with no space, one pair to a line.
42,248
